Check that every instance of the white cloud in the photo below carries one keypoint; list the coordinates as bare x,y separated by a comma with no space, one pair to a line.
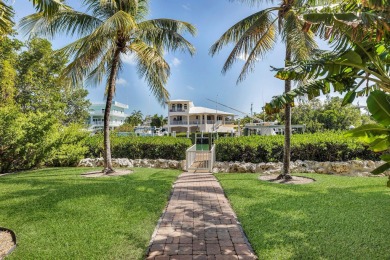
244,57
190,88
176,62
129,59
121,81
186,7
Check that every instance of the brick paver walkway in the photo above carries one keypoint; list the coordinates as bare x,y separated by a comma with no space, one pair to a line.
199,223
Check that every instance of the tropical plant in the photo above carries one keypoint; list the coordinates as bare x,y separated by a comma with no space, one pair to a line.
108,30
359,62
6,18
377,136
135,118
255,35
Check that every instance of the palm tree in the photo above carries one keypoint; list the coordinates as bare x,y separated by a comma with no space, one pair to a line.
6,18
257,34
109,30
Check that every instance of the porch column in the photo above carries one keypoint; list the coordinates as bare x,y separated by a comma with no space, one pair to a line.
188,123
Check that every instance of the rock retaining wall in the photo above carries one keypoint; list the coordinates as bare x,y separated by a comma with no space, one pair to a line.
128,163
351,168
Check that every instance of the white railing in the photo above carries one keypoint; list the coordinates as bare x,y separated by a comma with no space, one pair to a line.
178,122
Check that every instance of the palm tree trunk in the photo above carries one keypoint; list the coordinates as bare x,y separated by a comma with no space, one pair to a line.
287,130
110,93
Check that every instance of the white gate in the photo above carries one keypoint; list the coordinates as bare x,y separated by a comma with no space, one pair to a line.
200,160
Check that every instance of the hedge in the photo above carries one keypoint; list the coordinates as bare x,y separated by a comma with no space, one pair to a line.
326,146
134,147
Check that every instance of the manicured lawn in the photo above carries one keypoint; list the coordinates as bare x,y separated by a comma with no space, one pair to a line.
57,214
333,218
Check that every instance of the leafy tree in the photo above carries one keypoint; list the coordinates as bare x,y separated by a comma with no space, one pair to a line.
157,121
8,58
108,31
330,115
255,35
135,118
40,88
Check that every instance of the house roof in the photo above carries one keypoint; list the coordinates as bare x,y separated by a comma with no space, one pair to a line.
178,100
205,110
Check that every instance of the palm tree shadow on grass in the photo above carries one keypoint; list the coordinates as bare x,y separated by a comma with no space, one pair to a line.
60,206
305,222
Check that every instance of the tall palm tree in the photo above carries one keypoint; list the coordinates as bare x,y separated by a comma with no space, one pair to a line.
109,30
257,34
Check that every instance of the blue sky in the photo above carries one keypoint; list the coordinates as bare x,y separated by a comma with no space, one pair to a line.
199,77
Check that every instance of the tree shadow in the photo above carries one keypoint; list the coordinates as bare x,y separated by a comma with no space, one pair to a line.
313,221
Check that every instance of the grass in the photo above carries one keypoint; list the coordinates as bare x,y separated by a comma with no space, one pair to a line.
333,218
57,214
202,147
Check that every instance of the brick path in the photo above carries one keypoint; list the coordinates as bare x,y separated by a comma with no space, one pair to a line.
199,224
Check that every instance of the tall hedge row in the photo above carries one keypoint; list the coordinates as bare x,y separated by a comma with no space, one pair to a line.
140,147
326,146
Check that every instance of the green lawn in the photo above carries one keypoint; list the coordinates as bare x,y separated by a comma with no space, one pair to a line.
57,214
333,218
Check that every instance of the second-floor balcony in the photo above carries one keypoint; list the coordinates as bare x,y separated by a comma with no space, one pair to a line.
177,110
178,122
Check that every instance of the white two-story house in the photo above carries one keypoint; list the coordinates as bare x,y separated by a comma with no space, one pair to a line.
183,116
96,115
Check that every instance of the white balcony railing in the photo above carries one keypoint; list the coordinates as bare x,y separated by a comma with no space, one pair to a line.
177,110
178,122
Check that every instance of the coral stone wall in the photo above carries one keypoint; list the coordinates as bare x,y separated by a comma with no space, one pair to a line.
351,168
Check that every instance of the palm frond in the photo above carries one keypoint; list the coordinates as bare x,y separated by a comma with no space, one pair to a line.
6,16
67,21
49,7
302,43
248,35
167,34
152,67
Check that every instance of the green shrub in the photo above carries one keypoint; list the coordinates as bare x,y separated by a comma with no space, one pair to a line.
326,146
70,147
135,147
26,138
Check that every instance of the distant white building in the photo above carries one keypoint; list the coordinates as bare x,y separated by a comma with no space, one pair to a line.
183,116
96,115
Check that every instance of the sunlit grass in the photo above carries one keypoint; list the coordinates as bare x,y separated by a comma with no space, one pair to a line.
333,218
57,214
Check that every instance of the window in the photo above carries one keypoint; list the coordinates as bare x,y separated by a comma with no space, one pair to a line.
185,106
197,117
179,107
179,118
173,107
